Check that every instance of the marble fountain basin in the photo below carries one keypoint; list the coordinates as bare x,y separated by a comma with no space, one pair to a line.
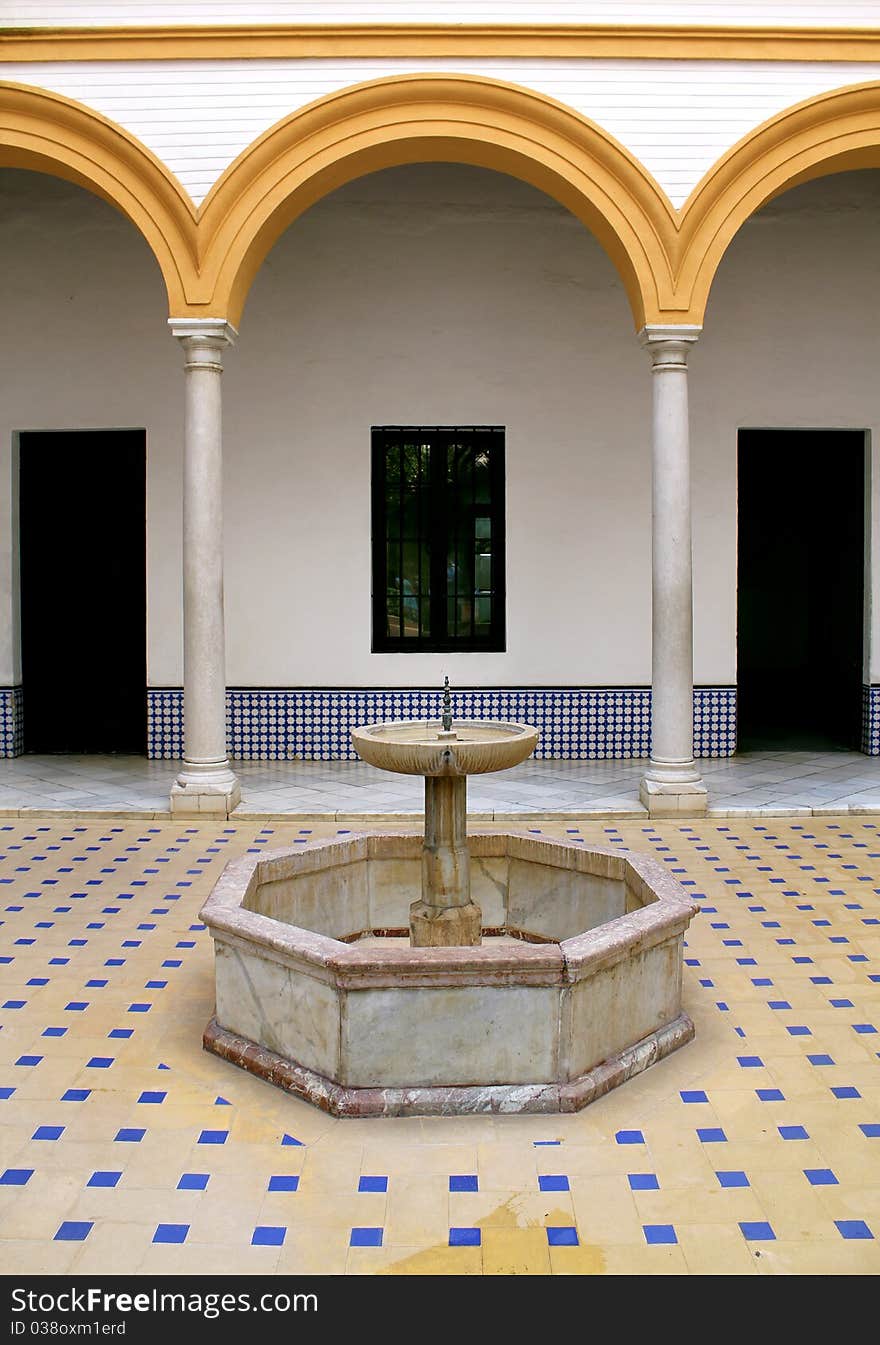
575,988
420,747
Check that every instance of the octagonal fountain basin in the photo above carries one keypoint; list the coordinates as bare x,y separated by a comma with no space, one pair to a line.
575,988
423,747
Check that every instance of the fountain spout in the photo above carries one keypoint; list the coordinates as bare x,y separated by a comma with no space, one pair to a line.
446,731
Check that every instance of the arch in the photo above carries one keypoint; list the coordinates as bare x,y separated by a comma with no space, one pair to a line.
829,133
667,259
51,134
432,118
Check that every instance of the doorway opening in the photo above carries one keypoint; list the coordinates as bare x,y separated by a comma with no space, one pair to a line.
800,590
82,522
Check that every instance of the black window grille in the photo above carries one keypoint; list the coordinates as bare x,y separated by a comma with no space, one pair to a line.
438,538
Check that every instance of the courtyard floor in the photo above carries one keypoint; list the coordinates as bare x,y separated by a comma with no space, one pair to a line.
748,784
755,1149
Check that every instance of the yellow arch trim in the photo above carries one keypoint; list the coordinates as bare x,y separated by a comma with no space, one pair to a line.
667,259
829,133
52,134
432,118
676,42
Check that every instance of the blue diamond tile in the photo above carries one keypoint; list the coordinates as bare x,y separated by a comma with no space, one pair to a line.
194,1181
102,1178
820,1177
711,1135
373,1184
629,1137
732,1178
16,1176
283,1182
643,1181
553,1183
73,1230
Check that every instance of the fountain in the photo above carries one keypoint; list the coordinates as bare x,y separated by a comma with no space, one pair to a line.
445,915
394,973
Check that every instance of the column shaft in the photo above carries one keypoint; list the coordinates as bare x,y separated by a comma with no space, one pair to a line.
672,781
206,783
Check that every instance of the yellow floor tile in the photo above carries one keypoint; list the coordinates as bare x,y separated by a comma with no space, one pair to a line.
522,1251
717,1248
438,1261
418,1212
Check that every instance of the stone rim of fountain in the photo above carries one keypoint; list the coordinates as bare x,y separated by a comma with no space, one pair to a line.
345,967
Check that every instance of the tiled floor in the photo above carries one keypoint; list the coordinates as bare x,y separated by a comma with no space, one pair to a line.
750,784
753,1150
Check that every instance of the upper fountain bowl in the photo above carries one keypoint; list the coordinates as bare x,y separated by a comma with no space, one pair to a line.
420,747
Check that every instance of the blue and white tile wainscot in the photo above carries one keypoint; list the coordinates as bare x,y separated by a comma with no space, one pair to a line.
576,724
871,720
11,722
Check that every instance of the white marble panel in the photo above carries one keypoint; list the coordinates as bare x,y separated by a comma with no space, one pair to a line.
489,888
394,884
561,903
333,902
620,1005
285,1010
468,1035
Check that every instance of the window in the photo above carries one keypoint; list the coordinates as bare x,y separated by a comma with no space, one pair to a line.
438,538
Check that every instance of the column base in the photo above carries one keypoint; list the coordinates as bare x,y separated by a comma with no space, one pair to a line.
445,926
674,798
196,795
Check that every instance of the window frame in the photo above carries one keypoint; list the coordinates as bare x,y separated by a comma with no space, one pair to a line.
439,532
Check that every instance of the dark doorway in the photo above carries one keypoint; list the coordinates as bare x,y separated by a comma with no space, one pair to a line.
83,590
800,588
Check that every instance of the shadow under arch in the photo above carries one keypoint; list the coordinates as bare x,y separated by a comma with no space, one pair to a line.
435,118
829,133
48,133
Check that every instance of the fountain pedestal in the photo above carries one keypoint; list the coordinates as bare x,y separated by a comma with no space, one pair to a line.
445,916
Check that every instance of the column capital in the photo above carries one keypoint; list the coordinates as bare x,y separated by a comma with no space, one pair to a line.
210,329
668,343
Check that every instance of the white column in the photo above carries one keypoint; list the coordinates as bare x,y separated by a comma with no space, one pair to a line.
206,784
672,783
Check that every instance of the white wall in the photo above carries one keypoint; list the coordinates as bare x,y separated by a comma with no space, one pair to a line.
676,117
26,13
437,295
790,339
84,344
387,306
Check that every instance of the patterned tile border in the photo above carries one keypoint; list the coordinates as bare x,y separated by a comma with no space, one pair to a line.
315,725
871,720
11,736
